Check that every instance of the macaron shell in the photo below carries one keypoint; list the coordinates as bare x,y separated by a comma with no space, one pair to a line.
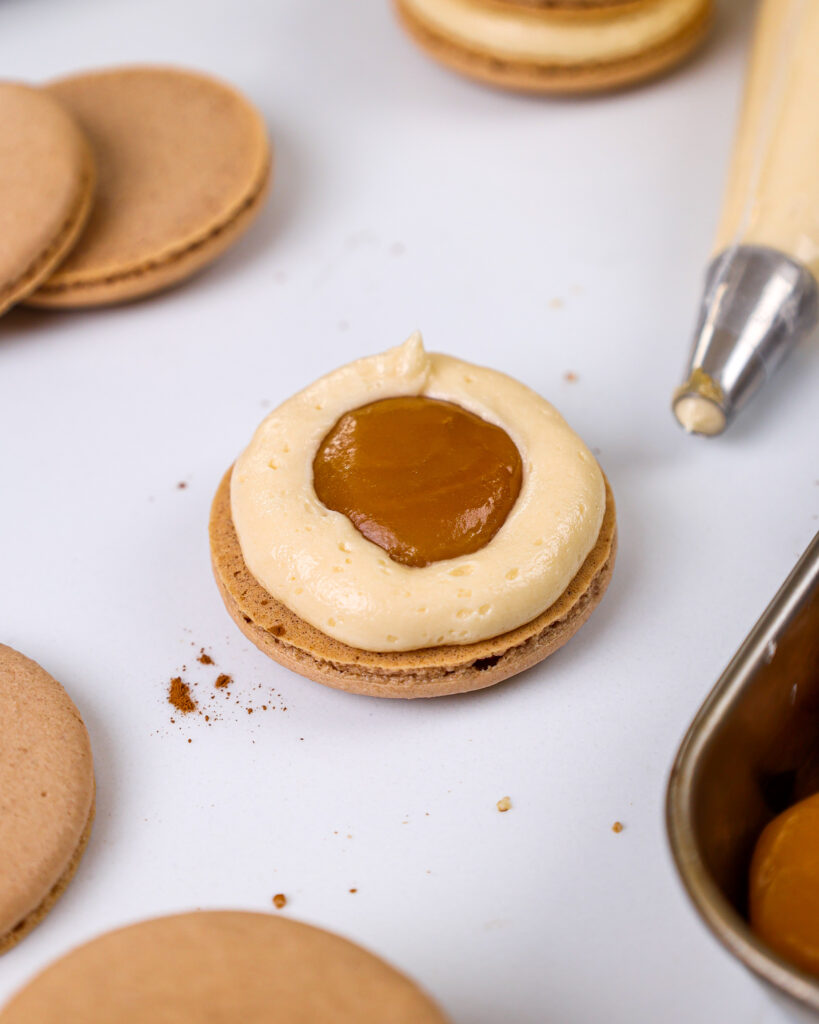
559,78
221,967
184,166
46,184
46,792
430,672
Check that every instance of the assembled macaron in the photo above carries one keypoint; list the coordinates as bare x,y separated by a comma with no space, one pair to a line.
557,46
412,525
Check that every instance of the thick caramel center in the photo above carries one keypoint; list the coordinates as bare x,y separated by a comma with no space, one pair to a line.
423,479
784,885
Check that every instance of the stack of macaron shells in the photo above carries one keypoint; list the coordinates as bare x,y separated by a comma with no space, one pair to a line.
557,46
117,184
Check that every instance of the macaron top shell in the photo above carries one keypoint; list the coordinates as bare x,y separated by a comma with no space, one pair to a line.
180,157
221,967
46,172
46,785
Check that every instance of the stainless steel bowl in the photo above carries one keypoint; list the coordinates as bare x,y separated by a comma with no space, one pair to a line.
751,751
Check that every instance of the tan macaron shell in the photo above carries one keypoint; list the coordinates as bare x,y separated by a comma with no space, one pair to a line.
46,792
560,78
184,166
431,672
223,967
46,185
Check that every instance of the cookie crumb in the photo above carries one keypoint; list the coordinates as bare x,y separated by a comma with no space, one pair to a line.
179,695
617,826
504,804
204,659
222,681
570,376
353,890
182,485
279,900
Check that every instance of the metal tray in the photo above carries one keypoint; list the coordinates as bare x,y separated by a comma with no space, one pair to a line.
751,751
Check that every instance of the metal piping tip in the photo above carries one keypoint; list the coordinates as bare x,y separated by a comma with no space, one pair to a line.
757,304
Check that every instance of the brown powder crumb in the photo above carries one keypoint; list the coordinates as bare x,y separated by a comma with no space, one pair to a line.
504,803
570,377
353,890
182,485
249,710
279,900
204,659
617,826
222,681
179,694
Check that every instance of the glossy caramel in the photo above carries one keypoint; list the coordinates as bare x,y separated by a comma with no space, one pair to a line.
784,885
423,479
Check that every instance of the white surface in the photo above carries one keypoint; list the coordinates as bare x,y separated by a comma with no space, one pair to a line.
404,197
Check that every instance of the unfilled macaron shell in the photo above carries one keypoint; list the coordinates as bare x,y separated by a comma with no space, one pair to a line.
46,188
223,967
184,164
46,792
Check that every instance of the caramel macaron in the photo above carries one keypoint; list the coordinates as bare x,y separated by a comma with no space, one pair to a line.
324,591
184,166
46,183
557,46
223,967
46,793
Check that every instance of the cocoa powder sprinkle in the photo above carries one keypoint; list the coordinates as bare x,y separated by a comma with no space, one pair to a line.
204,659
179,695
279,900
222,681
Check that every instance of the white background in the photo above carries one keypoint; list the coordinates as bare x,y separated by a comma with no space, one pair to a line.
404,197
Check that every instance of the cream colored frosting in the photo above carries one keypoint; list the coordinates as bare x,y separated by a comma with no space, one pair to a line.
556,37
317,563
699,415
773,195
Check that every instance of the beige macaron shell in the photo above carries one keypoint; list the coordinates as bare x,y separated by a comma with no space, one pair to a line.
221,967
184,164
46,184
46,786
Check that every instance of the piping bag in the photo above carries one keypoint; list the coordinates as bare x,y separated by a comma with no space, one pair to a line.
761,292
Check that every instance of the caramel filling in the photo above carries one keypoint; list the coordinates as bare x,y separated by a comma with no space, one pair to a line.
423,479
784,885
